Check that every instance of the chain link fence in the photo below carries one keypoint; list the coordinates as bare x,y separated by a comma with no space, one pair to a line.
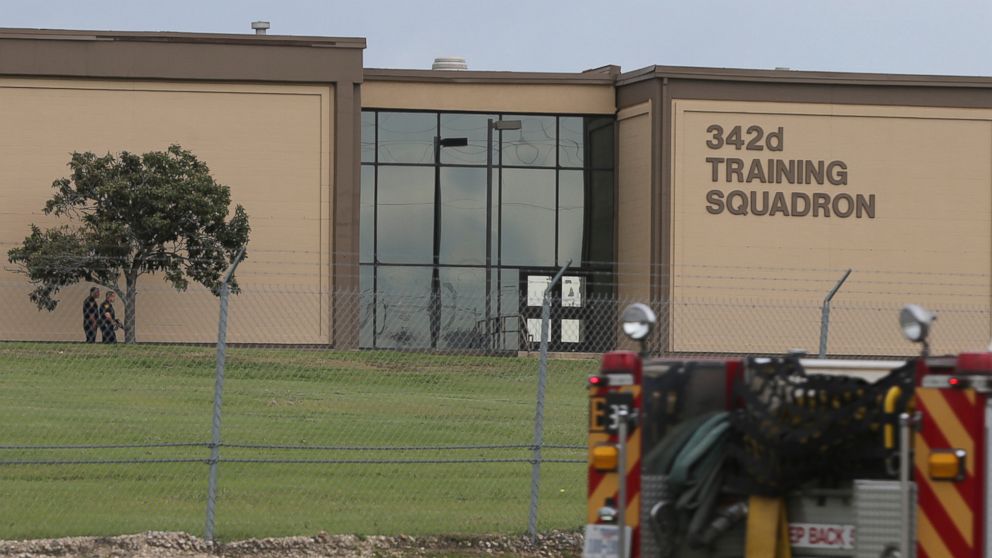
368,412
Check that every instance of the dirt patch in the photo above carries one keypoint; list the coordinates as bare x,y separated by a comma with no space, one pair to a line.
156,544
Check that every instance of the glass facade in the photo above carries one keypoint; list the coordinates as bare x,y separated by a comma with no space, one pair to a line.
428,278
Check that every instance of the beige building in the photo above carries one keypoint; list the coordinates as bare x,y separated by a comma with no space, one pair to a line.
761,187
275,118
425,208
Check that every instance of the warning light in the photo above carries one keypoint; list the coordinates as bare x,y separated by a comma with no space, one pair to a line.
948,464
620,361
599,381
954,381
605,458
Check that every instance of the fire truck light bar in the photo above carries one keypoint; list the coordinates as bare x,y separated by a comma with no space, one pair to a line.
979,382
619,361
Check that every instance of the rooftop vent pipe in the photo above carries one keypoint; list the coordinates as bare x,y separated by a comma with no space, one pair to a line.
260,27
449,63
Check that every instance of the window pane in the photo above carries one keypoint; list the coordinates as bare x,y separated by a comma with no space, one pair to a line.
407,137
368,137
366,237
598,248
571,213
601,142
495,204
511,327
470,126
463,216
366,306
403,308
528,217
405,225
571,149
463,307
531,146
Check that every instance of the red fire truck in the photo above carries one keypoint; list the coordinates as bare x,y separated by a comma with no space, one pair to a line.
788,456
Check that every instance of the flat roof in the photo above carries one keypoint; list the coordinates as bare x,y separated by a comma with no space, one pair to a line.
182,56
599,76
799,76
606,75
175,37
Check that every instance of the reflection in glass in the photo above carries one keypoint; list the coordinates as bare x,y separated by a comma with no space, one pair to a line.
405,225
463,216
512,328
407,137
598,245
366,307
463,308
494,237
600,133
552,201
368,137
571,149
403,307
528,217
471,126
571,209
366,237
531,146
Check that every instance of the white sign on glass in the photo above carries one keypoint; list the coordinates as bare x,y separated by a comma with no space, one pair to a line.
536,287
534,330
572,291
571,331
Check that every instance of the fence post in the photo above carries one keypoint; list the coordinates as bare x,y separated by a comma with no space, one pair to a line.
542,375
225,291
825,314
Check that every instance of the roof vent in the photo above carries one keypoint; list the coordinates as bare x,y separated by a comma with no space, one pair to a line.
260,27
449,63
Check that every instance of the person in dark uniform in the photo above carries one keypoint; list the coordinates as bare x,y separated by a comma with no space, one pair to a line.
91,315
108,319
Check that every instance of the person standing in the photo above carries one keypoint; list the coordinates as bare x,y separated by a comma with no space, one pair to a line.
91,315
108,319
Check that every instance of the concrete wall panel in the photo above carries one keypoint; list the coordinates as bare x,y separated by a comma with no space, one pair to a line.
927,173
634,204
270,143
549,98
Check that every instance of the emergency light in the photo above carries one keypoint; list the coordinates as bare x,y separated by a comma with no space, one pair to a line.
599,381
618,361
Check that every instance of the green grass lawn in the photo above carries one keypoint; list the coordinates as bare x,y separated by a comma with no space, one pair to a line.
276,402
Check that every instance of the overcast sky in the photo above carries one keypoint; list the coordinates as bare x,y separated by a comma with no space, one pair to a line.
947,37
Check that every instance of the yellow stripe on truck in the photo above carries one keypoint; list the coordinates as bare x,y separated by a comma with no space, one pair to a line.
946,492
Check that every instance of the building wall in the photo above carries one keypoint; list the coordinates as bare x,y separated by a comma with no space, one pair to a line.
634,202
271,144
552,98
927,172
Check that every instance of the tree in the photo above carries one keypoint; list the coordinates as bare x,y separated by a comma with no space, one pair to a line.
160,212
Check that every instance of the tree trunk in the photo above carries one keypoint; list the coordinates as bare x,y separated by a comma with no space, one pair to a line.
130,296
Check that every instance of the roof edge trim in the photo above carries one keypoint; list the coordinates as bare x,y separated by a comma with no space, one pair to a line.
797,76
477,76
176,37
